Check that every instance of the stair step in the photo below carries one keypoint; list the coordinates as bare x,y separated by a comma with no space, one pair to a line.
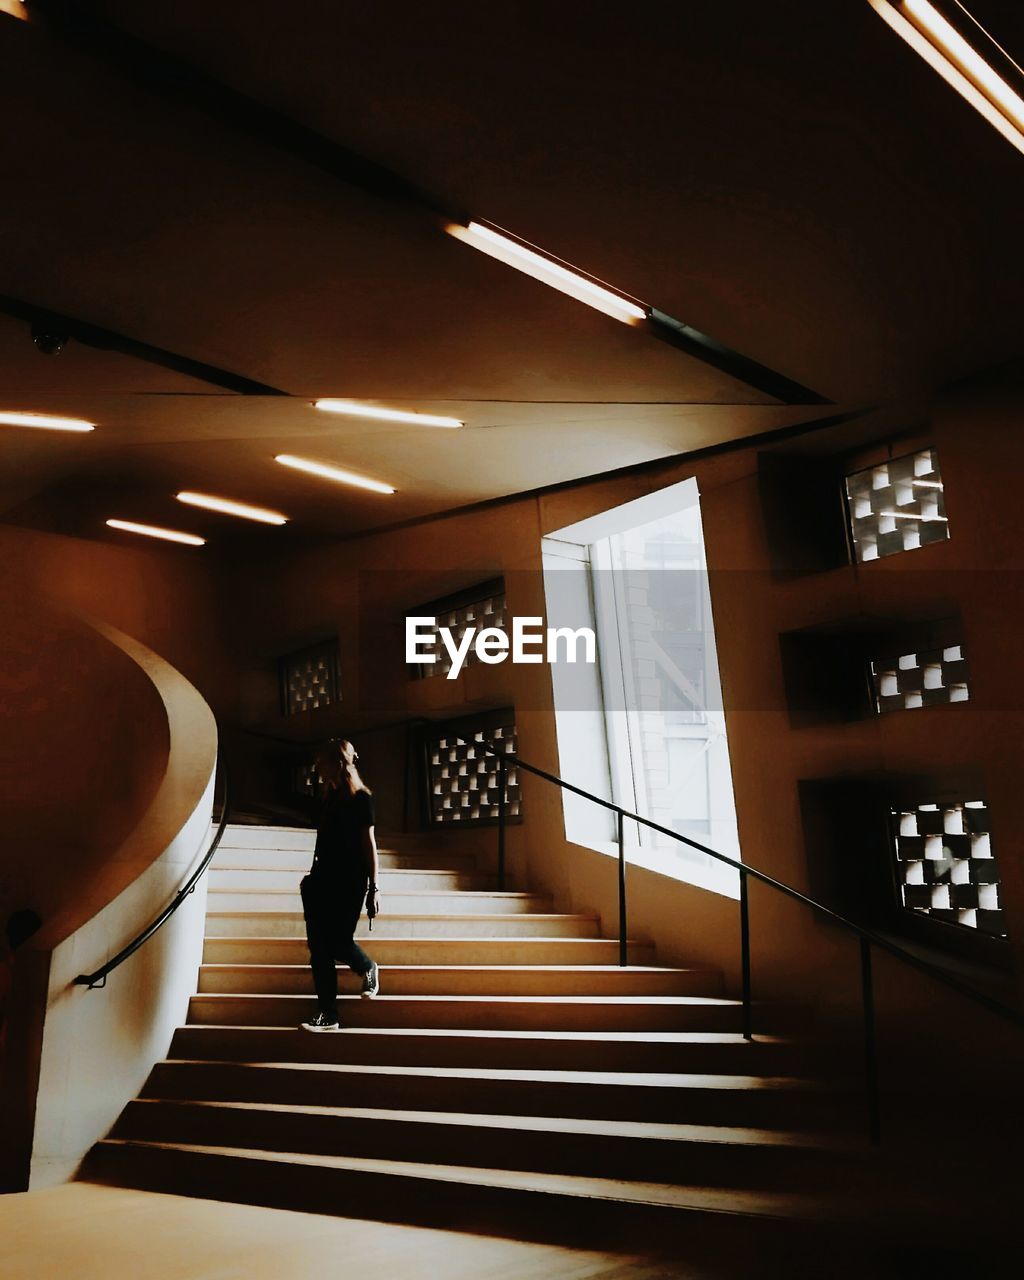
416,843
436,951
621,1149
602,1213
260,837
678,1051
390,880
300,859
397,901
768,1102
498,980
568,1096
551,1013
410,924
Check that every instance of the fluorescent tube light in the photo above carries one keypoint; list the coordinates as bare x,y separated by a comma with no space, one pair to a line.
332,473
548,272
229,508
153,531
938,42
44,421
353,409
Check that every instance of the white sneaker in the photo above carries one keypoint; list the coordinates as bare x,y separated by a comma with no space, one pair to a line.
371,983
320,1023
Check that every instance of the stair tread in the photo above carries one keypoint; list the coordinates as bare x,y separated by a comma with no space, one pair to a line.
630,1079
459,998
427,915
526,939
476,968
735,1203
647,1130
502,1033
406,893
391,871
237,850
291,828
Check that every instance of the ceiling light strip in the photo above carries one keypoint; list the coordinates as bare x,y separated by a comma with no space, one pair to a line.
154,531
549,272
228,508
44,421
337,474
938,42
353,409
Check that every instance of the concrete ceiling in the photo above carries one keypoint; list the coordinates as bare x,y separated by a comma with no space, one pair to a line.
787,178
148,447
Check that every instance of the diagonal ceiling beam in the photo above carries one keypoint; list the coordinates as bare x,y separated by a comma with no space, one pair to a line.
44,321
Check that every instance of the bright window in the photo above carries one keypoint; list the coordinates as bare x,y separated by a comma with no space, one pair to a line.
647,729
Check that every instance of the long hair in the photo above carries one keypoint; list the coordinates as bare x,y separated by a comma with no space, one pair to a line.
340,754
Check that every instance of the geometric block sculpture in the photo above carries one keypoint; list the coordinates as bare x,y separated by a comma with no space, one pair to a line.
487,610
309,678
945,867
464,777
926,679
897,506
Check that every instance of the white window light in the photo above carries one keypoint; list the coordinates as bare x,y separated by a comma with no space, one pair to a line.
934,38
44,421
353,409
332,473
154,531
228,508
549,272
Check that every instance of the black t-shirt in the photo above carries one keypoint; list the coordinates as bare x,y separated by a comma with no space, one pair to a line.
339,834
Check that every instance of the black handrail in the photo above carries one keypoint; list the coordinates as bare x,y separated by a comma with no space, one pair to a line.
868,938
99,978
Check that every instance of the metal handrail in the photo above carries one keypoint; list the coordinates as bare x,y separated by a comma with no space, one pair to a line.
867,938
98,979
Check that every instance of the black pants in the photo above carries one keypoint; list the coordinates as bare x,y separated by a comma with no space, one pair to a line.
332,909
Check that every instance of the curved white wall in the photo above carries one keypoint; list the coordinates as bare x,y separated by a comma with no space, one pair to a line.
99,1046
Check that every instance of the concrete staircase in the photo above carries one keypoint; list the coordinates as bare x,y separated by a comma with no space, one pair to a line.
510,1078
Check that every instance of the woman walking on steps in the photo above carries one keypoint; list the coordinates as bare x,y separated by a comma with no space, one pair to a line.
343,876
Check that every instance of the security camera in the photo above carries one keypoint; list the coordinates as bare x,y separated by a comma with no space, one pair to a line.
49,339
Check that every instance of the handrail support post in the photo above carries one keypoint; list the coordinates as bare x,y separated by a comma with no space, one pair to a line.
623,943
748,1012
502,782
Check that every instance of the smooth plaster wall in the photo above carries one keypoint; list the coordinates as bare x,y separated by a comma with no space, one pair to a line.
99,1046
106,760
83,746
84,741
164,597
